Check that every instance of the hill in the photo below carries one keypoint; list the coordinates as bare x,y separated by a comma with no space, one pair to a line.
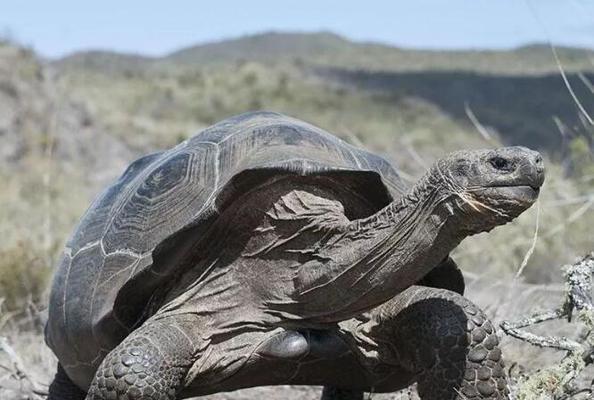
266,47
333,50
103,60
530,110
69,126
82,118
328,49
519,93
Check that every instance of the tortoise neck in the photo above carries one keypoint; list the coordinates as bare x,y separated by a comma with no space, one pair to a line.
421,225
379,256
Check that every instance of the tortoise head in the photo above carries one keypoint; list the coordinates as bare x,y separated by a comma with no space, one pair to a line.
490,187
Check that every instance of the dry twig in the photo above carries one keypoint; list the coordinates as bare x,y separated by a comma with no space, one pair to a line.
18,369
478,126
556,381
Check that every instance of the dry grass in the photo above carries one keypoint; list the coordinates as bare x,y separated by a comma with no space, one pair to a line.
46,188
501,299
26,364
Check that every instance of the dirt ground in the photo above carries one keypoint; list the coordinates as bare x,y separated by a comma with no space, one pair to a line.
500,300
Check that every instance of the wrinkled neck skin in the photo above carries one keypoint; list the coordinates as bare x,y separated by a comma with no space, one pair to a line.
421,228
379,256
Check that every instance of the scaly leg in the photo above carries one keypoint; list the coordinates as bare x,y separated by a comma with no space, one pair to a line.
443,340
150,364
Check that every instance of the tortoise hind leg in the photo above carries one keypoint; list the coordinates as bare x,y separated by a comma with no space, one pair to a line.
62,388
150,364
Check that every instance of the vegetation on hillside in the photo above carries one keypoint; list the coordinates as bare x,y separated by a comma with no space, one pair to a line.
69,127
74,127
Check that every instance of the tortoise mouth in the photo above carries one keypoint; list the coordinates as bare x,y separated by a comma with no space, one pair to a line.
517,193
519,187
534,186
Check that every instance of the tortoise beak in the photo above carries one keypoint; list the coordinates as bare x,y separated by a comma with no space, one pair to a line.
532,168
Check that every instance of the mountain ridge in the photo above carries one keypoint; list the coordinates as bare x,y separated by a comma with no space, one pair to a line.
330,49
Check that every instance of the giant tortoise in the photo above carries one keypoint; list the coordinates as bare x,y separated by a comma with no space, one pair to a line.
265,251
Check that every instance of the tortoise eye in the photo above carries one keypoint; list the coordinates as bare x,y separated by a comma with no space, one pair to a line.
499,163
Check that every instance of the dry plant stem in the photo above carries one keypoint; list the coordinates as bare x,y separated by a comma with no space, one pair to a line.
569,88
559,65
572,218
19,369
586,82
578,297
477,124
533,245
562,343
579,285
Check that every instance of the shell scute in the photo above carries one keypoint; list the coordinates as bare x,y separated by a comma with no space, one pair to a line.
134,236
167,196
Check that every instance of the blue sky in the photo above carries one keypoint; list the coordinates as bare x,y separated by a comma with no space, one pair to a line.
57,27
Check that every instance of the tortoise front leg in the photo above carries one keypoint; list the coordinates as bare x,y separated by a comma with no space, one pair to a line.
437,338
150,364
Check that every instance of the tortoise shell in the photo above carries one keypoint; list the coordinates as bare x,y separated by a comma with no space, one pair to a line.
131,239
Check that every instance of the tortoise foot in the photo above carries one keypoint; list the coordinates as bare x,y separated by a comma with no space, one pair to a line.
150,365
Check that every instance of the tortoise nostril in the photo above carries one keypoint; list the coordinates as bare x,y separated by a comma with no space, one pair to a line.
539,165
499,163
